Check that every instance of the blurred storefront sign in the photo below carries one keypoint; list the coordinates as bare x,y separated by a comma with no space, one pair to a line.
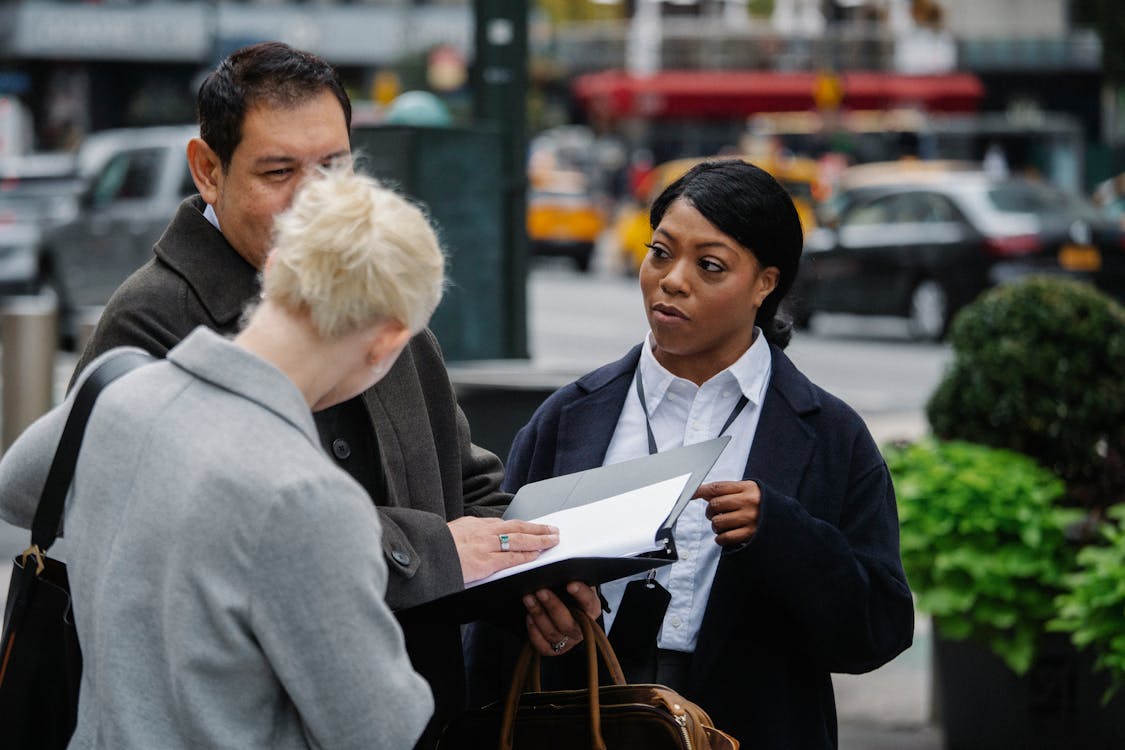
98,32
727,94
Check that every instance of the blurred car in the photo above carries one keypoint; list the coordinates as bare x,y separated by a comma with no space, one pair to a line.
564,218
845,186
141,176
37,192
800,176
922,243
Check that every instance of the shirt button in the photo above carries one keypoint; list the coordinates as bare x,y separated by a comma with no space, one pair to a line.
341,449
676,622
401,557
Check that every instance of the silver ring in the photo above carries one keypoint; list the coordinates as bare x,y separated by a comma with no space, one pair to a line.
505,543
558,647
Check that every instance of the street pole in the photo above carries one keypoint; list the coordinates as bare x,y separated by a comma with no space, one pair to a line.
499,83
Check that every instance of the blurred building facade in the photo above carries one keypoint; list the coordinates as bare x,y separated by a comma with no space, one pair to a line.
1026,52
83,66
696,67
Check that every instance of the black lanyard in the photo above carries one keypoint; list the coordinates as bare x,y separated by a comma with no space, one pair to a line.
742,401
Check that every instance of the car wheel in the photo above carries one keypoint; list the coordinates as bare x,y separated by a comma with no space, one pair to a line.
48,283
583,257
929,311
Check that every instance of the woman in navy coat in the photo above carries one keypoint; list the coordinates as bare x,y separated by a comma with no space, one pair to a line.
789,564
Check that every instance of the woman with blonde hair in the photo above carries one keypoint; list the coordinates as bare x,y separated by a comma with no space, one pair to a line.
228,578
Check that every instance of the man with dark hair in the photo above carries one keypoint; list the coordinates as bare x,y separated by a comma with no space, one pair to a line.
270,116
269,73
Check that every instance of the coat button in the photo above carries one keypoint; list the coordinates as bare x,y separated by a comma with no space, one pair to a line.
401,557
341,449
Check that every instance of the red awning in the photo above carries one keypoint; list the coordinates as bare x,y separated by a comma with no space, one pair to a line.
733,94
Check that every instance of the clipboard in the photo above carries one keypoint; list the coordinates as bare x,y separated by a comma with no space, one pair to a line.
497,599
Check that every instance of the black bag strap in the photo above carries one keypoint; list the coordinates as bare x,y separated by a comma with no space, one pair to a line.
45,526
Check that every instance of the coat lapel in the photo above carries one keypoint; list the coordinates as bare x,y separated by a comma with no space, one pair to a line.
586,425
783,443
222,280
399,474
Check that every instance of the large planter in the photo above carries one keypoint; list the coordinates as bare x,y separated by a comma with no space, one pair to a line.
1056,706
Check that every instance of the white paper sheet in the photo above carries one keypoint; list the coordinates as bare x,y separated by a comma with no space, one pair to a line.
619,526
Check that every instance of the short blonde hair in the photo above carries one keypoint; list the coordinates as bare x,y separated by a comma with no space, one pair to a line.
352,252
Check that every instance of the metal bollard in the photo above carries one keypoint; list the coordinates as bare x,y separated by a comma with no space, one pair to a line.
29,335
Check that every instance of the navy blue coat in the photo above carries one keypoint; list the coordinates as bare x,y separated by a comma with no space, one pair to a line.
818,589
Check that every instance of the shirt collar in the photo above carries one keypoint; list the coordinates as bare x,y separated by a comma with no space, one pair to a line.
211,216
751,372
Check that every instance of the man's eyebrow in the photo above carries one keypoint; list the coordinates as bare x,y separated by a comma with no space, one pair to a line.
268,161
264,161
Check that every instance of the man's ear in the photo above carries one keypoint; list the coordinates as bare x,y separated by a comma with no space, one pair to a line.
206,169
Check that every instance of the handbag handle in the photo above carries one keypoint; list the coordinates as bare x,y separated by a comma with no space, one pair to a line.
528,667
48,514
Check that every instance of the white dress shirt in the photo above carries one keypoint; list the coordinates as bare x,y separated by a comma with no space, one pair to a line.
680,414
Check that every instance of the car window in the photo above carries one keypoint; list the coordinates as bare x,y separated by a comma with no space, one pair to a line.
926,208
128,175
1035,198
879,211
1115,209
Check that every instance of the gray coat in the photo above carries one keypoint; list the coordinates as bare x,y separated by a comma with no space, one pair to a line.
432,471
202,585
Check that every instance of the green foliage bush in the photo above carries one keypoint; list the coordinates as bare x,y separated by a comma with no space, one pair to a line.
1039,368
1092,609
983,542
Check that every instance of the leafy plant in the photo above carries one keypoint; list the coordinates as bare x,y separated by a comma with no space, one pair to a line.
1092,609
983,542
1039,368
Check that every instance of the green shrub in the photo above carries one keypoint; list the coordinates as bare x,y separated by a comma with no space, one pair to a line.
1092,609
982,542
1039,368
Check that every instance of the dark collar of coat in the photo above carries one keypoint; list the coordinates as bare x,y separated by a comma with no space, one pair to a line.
222,280
782,443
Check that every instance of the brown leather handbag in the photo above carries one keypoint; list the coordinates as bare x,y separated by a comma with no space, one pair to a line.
603,717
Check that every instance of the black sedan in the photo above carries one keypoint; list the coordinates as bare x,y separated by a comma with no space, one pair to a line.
922,248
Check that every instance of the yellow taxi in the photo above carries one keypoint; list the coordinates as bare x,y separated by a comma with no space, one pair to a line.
799,175
564,218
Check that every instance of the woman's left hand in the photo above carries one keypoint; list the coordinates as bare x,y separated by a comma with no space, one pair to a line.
733,509
551,628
